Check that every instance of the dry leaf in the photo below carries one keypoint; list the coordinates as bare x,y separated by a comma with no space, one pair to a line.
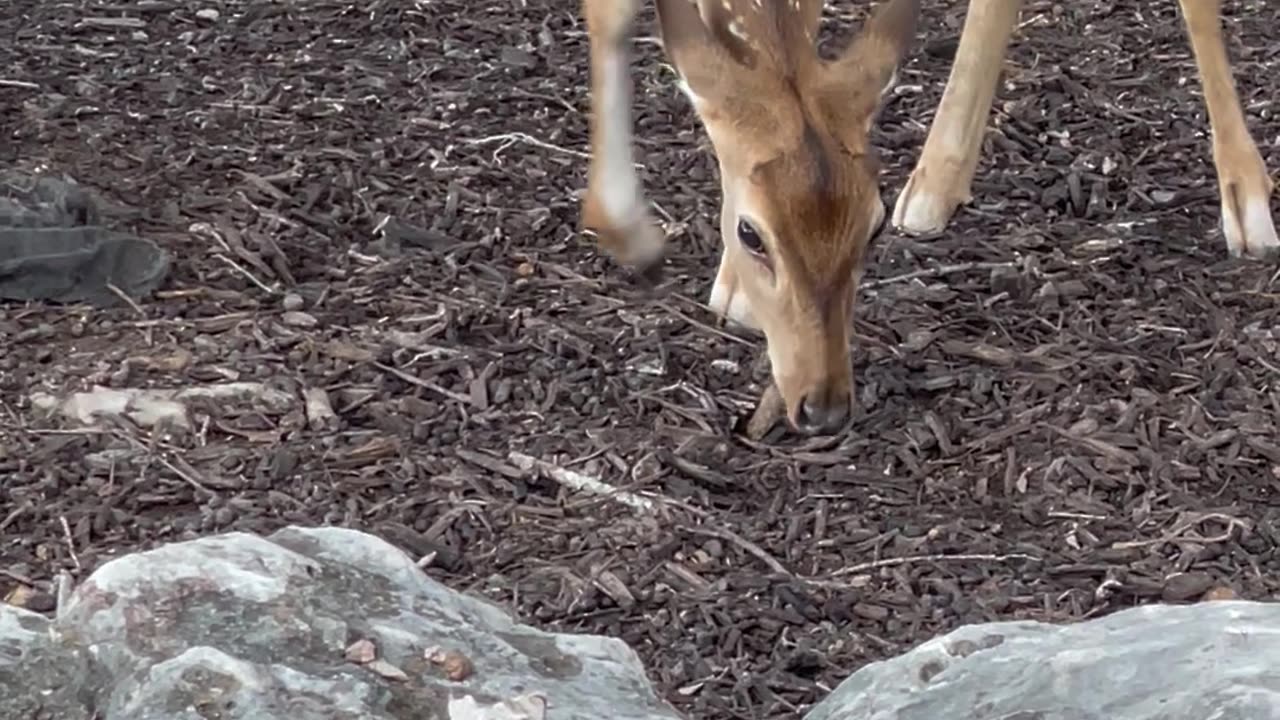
20,596
1219,593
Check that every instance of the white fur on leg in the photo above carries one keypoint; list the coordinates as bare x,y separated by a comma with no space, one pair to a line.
920,210
619,187
620,193
1252,233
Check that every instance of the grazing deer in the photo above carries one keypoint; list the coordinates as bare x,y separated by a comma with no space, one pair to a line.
801,197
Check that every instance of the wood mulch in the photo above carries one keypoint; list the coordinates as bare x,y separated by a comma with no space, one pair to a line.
1068,402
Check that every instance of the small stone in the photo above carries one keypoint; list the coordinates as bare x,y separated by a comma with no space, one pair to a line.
387,670
456,666
207,14
293,302
362,651
524,269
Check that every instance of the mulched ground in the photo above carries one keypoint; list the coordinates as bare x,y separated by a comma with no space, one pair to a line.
1069,401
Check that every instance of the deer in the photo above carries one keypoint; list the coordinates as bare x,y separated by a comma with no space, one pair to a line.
800,182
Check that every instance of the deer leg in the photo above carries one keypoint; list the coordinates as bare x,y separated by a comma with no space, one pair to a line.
769,410
614,206
942,177
1243,181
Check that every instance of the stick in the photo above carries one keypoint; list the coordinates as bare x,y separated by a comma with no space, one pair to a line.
578,481
936,272
125,297
71,544
62,597
725,534
896,561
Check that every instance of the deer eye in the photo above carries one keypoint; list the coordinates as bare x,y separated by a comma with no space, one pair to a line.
750,237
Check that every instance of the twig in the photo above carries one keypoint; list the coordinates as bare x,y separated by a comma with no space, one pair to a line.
237,267
17,577
511,138
19,84
1176,533
701,325
63,586
936,272
425,384
187,473
725,534
896,561
71,543
125,297
579,481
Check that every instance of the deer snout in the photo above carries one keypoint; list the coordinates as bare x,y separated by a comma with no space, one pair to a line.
822,412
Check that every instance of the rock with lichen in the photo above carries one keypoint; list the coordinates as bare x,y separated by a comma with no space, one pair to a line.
306,623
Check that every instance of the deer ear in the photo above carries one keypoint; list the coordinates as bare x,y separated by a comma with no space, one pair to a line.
704,42
868,69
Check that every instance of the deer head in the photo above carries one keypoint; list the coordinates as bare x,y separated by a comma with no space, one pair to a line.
801,197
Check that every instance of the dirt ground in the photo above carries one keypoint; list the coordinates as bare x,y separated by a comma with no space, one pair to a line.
1068,402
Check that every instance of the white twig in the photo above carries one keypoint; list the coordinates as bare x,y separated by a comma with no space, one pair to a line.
511,138
936,272
238,268
63,587
895,561
578,481
71,543
125,297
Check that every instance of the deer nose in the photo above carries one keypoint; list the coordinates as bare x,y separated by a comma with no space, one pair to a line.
819,415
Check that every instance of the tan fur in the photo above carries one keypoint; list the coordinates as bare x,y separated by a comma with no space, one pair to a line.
790,134
941,179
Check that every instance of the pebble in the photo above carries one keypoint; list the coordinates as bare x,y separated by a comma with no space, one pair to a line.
293,302
208,14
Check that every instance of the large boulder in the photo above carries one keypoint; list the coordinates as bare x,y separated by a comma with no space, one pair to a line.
1160,662
307,623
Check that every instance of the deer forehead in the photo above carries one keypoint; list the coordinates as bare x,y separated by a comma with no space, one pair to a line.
743,16
818,203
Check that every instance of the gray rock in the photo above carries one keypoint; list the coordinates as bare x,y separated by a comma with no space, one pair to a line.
1217,660
241,627
44,671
